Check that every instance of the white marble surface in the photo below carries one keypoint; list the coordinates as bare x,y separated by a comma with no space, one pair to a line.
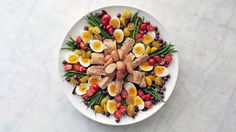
32,30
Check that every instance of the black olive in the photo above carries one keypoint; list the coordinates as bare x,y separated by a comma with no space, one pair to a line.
85,27
118,15
117,120
155,28
107,114
68,79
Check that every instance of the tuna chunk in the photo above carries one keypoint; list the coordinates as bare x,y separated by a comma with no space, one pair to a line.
119,84
127,45
137,77
97,58
140,60
96,71
130,57
109,46
106,80
143,83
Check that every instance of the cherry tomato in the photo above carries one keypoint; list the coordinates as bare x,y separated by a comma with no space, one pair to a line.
152,62
83,45
89,93
139,37
168,58
96,87
124,94
143,97
148,97
78,40
82,69
110,30
117,114
106,18
122,109
150,28
118,105
117,98
84,96
68,67
148,104
76,67
105,23
157,58
108,27
143,26
140,92
163,61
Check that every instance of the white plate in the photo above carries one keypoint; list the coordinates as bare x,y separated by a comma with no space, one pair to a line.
77,101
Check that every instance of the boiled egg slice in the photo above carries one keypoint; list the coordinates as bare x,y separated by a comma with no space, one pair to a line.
115,22
149,37
145,66
86,35
84,61
94,80
161,71
131,89
138,49
118,35
112,89
111,106
71,57
82,88
139,102
96,45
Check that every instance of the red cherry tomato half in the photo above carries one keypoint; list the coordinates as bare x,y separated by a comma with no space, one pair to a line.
148,104
163,61
76,67
122,109
140,92
117,114
82,69
150,28
139,37
78,39
143,26
124,94
168,58
89,92
117,98
157,58
152,62
106,18
84,96
96,87
68,67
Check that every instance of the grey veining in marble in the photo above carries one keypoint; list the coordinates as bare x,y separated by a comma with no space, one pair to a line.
31,33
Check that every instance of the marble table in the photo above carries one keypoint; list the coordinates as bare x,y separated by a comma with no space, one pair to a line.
31,33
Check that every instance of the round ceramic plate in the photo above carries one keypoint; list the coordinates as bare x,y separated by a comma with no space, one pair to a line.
77,101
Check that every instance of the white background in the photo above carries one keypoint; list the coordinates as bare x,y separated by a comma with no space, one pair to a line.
31,32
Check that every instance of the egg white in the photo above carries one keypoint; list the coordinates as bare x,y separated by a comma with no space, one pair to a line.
67,55
109,89
147,68
108,109
84,64
78,91
138,45
90,78
164,73
82,36
128,86
115,19
91,44
120,32
140,106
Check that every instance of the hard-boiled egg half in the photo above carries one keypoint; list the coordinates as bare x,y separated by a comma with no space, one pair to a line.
138,49
115,22
82,88
139,102
84,61
111,106
161,71
145,66
118,35
86,35
131,89
112,89
96,45
149,37
94,80
71,57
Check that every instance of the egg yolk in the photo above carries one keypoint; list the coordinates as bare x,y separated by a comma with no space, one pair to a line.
145,65
115,23
138,50
159,70
113,88
86,35
117,36
94,80
85,60
137,101
111,105
147,39
82,88
132,91
97,45
73,58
